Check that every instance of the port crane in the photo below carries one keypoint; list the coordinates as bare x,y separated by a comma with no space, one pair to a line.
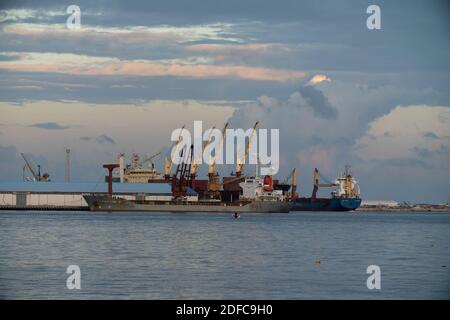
317,185
168,160
195,165
241,160
181,180
36,177
293,177
150,159
213,176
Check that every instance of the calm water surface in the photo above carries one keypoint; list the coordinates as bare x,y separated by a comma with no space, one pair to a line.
201,256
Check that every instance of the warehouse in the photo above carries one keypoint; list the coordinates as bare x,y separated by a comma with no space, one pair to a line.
70,194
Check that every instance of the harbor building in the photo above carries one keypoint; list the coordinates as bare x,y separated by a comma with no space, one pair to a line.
69,195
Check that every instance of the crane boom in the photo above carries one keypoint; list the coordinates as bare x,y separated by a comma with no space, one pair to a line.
212,168
147,159
294,183
293,177
194,166
240,163
35,176
168,160
316,175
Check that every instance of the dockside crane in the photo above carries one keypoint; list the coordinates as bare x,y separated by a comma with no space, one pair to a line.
317,185
241,160
213,175
168,159
36,177
150,159
293,178
181,180
195,165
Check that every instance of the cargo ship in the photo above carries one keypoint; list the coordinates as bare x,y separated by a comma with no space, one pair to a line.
345,195
257,197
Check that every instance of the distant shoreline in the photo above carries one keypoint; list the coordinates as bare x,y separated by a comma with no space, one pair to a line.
404,209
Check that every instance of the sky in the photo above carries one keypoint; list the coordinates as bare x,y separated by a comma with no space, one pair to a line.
339,92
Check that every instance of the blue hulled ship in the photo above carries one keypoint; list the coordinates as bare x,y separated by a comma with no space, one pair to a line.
345,195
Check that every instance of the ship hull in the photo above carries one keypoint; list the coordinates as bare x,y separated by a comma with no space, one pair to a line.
321,204
112,204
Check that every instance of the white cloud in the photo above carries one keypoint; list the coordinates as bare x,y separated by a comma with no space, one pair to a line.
318,78
125,34
67,63
404,133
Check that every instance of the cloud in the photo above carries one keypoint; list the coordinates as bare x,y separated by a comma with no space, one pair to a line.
16,14
102,139
411,129
49,126
126,34
405,162
307,138
423,152
241,52
318,78
8,57
310,97
430,135
106,66
105,139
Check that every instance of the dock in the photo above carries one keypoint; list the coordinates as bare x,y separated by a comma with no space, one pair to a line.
43,208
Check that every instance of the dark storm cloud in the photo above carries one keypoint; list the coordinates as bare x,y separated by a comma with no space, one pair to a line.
105,139
206,10
430,135
405,162
316,100
443,150
49,126
423,152
331,36
102,139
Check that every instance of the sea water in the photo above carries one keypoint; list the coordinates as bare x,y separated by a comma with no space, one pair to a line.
215,256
